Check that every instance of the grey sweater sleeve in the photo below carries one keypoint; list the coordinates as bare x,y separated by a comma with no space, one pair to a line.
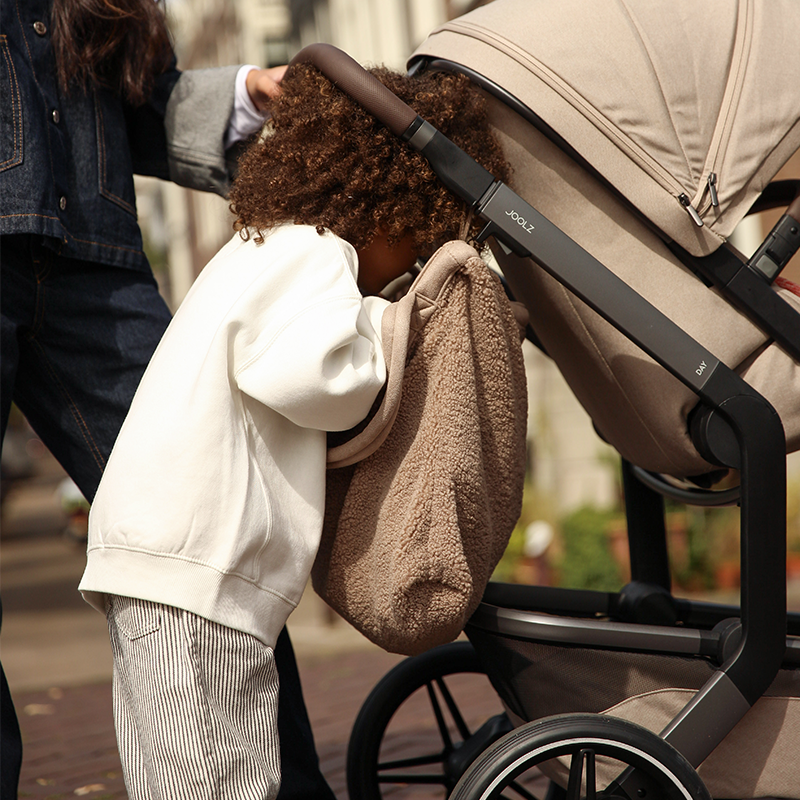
197,116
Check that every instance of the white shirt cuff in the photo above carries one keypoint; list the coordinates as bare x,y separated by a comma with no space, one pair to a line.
245,119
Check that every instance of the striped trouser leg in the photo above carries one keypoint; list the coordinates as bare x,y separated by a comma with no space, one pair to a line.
195,706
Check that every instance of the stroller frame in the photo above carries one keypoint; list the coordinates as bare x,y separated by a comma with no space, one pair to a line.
733,425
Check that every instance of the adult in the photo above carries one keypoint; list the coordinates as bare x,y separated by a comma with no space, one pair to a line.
91,94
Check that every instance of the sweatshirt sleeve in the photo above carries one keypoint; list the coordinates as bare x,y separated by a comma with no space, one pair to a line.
324,367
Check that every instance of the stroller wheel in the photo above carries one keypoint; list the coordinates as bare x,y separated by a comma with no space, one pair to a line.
422,725
593,757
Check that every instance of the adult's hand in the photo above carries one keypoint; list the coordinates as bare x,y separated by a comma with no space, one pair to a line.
263,85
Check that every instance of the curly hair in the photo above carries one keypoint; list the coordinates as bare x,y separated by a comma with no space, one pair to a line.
326,162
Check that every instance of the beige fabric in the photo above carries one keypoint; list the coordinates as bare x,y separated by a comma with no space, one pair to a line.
413,531
758,758
636,405
655,95
401,324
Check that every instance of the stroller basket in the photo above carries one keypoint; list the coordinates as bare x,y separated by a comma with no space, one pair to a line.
542,665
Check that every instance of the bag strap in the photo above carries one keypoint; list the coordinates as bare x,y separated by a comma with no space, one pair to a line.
402,322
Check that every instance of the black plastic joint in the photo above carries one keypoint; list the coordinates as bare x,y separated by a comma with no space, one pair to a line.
459,172
778,248
713,437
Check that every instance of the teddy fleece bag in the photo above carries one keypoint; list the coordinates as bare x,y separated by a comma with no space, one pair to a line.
421,503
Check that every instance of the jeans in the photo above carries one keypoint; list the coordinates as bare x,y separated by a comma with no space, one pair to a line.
76,337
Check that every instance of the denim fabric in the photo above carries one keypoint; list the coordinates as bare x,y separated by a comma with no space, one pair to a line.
67,162
10,741
301,778
76,338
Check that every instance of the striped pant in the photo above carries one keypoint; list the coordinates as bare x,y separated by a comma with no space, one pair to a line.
195,706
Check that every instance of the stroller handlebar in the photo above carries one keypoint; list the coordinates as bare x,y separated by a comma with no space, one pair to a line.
362,86
458,171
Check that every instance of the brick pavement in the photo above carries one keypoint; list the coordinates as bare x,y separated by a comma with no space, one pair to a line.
70,749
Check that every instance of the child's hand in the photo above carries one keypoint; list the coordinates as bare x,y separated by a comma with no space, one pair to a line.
263,85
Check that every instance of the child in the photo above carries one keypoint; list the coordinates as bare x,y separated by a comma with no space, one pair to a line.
208,517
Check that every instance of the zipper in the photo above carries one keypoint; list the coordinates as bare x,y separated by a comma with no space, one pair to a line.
684,200
707,195
712,189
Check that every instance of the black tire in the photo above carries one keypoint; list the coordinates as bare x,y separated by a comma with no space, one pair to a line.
590,742
434,761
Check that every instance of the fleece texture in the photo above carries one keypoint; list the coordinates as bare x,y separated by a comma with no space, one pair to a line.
413,531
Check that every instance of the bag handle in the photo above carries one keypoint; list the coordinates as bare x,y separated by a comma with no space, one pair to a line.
402,322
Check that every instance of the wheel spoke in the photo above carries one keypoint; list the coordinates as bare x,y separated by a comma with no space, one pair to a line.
591,782
437,712
438,780
575,777
455,713
406,763
576,772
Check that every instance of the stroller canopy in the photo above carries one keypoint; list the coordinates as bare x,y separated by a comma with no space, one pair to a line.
688,109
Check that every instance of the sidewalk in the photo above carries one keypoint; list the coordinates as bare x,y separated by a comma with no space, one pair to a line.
68,733
57,659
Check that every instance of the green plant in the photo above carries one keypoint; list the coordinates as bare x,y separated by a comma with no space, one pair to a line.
586,559
793,515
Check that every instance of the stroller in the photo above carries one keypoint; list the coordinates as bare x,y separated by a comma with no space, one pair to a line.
640,134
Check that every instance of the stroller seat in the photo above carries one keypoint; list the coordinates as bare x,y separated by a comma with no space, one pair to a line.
636,406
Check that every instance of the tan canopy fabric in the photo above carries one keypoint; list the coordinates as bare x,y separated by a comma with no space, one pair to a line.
665,99
656,95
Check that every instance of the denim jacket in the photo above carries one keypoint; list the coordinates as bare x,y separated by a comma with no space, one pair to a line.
67,162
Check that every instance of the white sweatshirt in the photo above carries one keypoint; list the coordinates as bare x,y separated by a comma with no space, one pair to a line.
213,495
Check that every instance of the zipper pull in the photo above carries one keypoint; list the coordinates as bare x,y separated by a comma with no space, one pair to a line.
712,188
687,204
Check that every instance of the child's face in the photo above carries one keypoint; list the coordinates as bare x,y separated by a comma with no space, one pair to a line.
379,264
